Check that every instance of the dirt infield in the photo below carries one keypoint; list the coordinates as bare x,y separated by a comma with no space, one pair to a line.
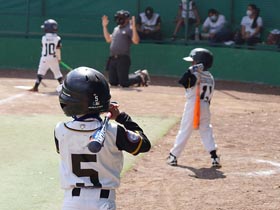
245,119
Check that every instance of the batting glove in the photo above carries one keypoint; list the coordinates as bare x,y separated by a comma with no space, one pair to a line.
196,68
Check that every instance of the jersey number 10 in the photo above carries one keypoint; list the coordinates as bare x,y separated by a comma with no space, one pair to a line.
49,49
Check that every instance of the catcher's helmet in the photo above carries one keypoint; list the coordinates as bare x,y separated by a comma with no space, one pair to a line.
84,91
50,26
201,55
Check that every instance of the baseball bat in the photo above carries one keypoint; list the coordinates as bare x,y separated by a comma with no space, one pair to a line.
98,137
66,66
196,117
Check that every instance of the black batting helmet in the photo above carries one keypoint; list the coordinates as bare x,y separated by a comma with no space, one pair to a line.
50,26
201,55
84,91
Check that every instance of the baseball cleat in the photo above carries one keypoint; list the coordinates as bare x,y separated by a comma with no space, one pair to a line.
34,89
171,160
216,162
173,38
145,77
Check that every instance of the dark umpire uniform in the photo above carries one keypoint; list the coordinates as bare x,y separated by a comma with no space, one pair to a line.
120,41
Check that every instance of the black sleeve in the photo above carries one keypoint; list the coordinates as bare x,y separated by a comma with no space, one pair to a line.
56,144
59,44
188,79
130,137
139,20
193,4
158,20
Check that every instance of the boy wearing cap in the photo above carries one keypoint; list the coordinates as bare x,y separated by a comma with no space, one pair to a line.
148,25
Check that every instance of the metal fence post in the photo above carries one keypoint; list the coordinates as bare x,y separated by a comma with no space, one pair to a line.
43,8
27,18
187,22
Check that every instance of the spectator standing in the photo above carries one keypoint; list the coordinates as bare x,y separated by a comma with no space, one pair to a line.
148,25
251,26
216,27
120,40
193,17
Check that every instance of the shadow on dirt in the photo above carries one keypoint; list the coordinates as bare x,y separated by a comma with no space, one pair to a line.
205,173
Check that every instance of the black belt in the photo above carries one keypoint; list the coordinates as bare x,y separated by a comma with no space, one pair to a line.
103,193
117,56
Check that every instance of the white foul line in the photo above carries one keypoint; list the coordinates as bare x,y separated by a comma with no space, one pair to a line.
11,98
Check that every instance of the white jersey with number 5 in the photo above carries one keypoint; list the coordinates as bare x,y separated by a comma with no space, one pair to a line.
81,168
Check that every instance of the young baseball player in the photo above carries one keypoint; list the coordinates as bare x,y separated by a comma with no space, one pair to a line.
51,53
202,60
90,179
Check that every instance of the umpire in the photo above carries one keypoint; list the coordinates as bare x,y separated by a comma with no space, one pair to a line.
120,41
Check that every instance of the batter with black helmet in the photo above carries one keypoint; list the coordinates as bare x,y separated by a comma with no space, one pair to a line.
51,53
202,60
120,40
90,179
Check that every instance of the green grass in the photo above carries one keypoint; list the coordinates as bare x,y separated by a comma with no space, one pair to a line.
29,162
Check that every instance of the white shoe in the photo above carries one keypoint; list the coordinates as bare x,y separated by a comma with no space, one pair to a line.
216,162
171,160
144,74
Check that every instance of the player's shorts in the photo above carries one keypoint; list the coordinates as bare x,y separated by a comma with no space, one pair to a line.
50,63
89,198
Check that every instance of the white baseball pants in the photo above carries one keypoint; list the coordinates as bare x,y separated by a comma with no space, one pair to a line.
49,63
186,127
89,199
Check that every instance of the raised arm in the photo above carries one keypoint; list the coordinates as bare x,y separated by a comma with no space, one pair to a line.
135,37
106,33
